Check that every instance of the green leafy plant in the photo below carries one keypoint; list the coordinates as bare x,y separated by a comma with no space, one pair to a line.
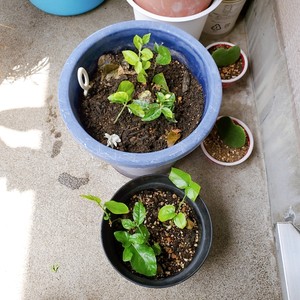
141,61
233,135
191,189
226,56
123,96
135,241
117,208
164,105
135,237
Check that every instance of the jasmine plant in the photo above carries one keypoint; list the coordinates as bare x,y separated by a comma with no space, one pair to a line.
141,62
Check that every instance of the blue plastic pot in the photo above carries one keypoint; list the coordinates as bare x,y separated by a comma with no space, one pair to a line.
116,37
66,7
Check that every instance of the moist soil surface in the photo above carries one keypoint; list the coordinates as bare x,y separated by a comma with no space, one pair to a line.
215,146
230,71
178,246
97,114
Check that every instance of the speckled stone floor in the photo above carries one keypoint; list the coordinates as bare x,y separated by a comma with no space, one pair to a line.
44,222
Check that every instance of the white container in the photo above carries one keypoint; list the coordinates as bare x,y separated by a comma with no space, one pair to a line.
191,24
222,20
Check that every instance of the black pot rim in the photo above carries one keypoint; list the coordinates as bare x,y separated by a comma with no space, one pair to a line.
201,212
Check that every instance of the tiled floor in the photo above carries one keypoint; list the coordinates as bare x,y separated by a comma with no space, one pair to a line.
44,222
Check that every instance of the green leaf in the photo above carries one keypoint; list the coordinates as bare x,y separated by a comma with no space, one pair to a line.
92,198
143,260
160,80
119,97
117,208
146,65
137,238
193,190
146,38
127,87
128,224
180,220
164,56
139,213
141,78
153,113
144,230
130,56
122,237
232,135
166,213
156,248
180,178
167,113
226,56
146,54
138,42
138,67
136,109
127,254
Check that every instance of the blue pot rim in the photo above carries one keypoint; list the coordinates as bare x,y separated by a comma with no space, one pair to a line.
151,159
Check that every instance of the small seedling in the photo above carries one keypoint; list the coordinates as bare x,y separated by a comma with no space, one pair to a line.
141,61
135,240
123,96
55,268
233,135
164,105
226,56
191,189
117,208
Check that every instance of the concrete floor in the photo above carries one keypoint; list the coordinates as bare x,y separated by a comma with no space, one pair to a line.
44,222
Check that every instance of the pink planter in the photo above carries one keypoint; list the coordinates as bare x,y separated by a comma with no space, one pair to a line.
174,8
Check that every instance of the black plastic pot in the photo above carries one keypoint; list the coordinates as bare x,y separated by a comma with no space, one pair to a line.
113,248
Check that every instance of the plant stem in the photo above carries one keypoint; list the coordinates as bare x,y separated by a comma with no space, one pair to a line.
118,116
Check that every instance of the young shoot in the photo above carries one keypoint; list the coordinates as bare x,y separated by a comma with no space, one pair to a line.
183,181
164,105
141,61
135,241
108,207
135,238
123,96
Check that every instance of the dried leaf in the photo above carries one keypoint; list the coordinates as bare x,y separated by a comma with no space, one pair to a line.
173,136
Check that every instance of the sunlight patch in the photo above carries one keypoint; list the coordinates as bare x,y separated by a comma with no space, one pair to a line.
17,139
16,91
16,210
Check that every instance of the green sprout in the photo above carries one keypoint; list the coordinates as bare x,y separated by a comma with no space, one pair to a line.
123,96
141,61
135,241
226,56
135,238
117,208
191,189
233,135
55,268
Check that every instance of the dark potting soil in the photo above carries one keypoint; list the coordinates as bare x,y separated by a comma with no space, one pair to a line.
178,246
97,114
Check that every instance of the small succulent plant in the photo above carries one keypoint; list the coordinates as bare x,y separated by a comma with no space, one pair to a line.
226,56
233,135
